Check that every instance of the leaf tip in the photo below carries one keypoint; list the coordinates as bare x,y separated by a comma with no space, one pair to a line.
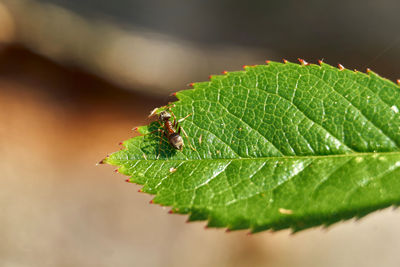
171,211
151,201
210,77
116,170
267,61
225,72
340,66
285,61
140,190
368,70
101,161
191,84
320,61
128,180
398,81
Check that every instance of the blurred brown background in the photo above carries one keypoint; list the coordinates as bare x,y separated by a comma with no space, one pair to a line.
76,76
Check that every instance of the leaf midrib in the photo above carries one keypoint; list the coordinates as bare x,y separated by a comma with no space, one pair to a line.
361,154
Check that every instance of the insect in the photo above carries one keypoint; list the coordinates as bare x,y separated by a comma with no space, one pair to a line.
171,129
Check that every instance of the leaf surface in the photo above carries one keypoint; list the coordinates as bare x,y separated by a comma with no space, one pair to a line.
277,146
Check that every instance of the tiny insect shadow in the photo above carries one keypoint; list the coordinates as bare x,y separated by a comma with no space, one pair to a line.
172,132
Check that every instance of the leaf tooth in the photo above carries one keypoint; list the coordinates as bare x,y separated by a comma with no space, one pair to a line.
327,224
191,84
340,66
172,94
214,222
145,189
374,74
285,61
325,65
197,215
245,67
128,180
296,228
225,72
267,61
196,85
320,62
259,228
303,62
250,230
398,81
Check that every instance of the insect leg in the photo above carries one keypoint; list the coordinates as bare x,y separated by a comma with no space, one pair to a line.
187,137
157,130
180,120
175,123
173,115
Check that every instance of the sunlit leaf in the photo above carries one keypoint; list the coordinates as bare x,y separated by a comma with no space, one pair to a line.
277,146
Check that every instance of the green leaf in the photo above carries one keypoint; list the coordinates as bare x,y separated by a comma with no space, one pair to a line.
277,146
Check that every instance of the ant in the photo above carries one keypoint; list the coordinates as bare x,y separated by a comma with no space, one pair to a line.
171,129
